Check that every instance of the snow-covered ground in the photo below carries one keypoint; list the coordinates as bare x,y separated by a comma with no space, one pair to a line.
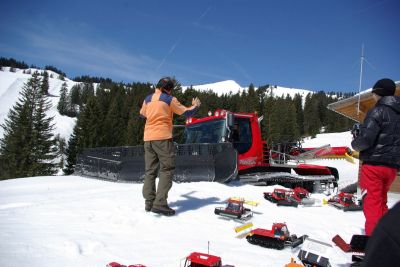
76,221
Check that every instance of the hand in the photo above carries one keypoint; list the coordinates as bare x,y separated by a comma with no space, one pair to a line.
196,102
356,130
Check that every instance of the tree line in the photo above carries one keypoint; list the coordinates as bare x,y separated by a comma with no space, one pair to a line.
109,115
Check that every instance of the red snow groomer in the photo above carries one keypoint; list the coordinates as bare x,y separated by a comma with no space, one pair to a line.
219,148
288,197
277,238
234,209
346,202
197,259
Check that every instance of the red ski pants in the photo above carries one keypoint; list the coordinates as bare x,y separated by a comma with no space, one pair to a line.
375,182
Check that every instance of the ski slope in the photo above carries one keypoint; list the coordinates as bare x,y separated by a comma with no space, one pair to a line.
11,84
77,221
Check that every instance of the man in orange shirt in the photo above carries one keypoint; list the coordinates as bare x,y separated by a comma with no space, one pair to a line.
158,110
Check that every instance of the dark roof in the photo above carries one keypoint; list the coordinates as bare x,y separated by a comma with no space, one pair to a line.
356,107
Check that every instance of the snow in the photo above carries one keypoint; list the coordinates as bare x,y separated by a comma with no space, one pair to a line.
230,86
77,221
220,88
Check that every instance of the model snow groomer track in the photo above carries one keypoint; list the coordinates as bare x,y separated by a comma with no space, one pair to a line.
216,148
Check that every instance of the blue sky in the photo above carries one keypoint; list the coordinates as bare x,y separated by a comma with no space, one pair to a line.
309,44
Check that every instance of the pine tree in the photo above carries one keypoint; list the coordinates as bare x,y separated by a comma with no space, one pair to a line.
72,150
298,104
252,100
90,121
86,92
45,83
312,116
134,131
289,130
114,125
73,101
75,95
62,103
28,146
61,145
45,149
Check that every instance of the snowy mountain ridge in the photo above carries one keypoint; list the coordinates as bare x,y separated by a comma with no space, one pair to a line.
230,86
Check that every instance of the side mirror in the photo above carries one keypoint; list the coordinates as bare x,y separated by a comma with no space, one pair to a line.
230,120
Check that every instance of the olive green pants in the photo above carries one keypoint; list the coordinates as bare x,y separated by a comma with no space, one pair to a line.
159,159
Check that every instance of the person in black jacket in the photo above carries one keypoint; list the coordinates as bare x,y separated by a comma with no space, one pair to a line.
383,247
378,141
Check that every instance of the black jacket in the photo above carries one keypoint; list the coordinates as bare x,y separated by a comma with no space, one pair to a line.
383,248
379,138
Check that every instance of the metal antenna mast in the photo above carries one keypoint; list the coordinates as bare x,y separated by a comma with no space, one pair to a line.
361,73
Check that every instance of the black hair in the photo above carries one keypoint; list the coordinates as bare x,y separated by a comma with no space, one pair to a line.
165,83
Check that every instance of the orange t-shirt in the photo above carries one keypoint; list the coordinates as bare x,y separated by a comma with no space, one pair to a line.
158,109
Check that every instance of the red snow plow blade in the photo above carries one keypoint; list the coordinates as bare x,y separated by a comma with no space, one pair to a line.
327,152
193,163
357,244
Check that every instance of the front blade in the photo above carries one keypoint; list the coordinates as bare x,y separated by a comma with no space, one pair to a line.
194,162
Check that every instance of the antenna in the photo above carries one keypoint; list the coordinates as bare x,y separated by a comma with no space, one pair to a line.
361,72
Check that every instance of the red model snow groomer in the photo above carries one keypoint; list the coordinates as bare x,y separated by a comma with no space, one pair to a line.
234,209
277,238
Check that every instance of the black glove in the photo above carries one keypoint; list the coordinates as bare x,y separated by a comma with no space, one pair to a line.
356,130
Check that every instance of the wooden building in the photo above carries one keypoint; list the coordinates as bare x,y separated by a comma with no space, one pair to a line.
356,108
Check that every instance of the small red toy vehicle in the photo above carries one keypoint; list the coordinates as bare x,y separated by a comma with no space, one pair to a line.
346,202
287,197
197,259
277,238
234,209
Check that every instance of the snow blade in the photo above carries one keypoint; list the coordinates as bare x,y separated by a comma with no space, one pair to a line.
315,253
298,241
353,208
243,227
288,203
339,241
193,162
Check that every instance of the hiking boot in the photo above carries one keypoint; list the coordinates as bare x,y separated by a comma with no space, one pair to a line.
163,210
148,205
